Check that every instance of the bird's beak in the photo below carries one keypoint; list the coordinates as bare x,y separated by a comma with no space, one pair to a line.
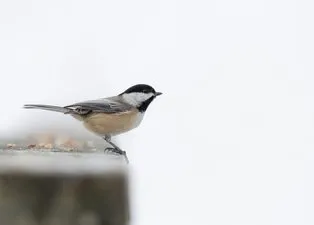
157,94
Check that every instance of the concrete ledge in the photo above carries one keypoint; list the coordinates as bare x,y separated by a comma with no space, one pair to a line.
52,188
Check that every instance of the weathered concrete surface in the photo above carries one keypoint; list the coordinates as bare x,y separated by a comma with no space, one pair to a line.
50,188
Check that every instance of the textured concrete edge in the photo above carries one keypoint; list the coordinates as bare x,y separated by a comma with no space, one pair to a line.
73,164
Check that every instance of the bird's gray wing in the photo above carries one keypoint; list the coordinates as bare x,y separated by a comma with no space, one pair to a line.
105,105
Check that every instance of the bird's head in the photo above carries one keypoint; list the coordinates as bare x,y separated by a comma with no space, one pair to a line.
140,96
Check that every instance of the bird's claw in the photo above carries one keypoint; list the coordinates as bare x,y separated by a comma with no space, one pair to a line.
118,152
114,150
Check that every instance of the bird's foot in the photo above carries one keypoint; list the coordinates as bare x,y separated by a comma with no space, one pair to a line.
115,150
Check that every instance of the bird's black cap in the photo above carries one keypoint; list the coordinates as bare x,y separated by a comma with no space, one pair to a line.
140,88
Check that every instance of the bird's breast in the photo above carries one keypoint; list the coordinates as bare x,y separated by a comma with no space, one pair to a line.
113,124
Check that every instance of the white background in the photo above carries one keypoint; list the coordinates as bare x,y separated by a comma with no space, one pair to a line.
231,141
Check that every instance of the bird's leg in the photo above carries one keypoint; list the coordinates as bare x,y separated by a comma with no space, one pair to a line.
115,148
107,138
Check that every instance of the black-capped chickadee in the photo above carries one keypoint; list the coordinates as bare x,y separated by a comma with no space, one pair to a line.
110,116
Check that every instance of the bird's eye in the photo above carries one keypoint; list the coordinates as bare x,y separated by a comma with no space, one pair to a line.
146,91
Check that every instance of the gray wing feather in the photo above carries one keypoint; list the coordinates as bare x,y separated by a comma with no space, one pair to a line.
105,105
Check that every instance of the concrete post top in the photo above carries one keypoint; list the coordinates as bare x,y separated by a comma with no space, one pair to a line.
61,163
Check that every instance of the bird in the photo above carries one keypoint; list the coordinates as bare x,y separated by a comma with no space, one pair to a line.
111,116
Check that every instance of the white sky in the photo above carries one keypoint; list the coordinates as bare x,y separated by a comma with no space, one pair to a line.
231,141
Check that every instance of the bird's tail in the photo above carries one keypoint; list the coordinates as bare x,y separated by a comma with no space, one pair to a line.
49,108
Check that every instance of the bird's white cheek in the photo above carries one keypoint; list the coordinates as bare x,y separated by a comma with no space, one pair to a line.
136,98
141,97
